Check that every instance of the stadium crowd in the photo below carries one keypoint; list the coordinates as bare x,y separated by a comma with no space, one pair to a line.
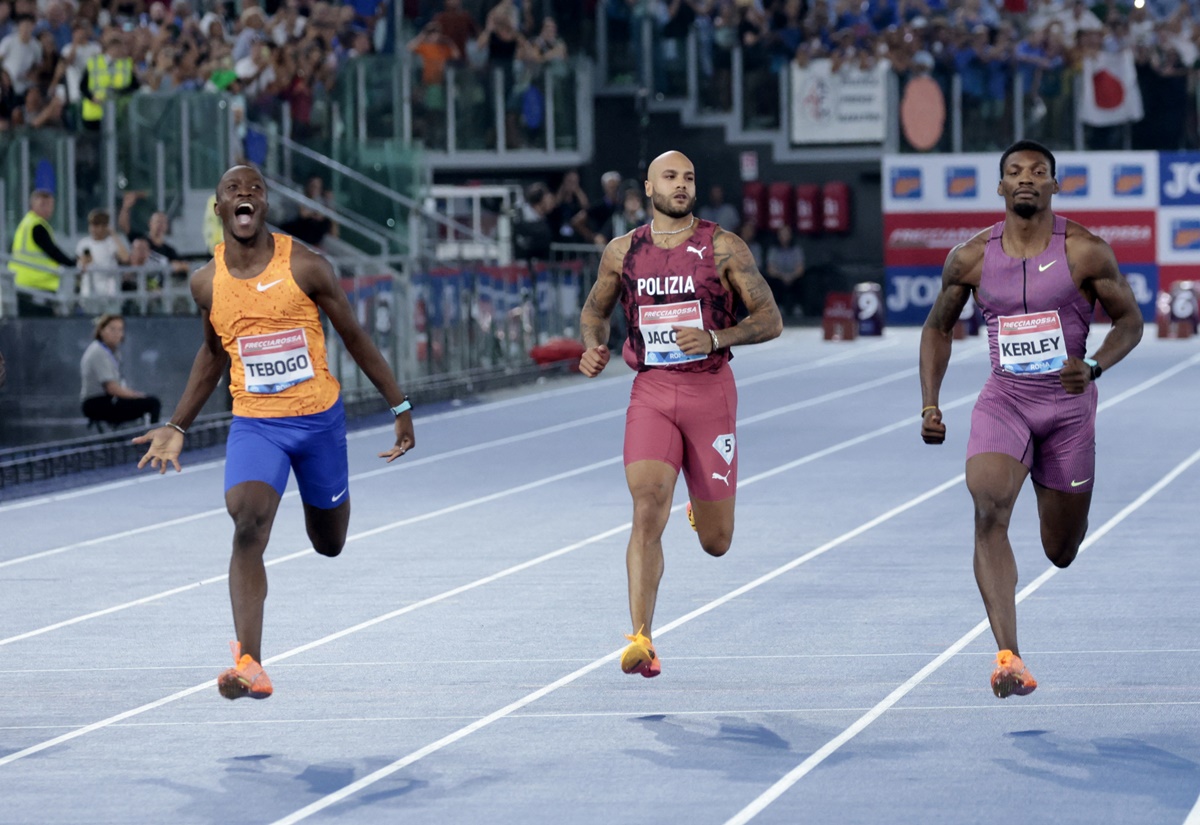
59,58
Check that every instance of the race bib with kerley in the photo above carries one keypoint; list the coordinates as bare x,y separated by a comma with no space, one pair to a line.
275,361
1031,344
656,321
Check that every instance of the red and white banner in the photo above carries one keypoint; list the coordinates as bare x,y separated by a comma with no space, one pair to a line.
1110,89
926,238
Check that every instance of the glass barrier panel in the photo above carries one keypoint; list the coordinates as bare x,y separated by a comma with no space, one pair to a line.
715,70
760,89
622,27
474,109
562,77
429,109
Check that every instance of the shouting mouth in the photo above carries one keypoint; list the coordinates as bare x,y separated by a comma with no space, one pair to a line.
243,215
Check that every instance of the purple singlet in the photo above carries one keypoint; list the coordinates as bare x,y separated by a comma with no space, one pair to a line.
1036,318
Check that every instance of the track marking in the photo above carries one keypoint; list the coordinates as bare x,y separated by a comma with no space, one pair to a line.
829,748
908,421
809,402
424,460
1041,654
623,714
449,415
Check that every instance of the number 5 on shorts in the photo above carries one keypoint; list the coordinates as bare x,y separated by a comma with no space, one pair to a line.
725,445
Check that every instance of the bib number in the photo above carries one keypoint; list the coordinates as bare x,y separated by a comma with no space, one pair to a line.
1031,344
655,321
275,361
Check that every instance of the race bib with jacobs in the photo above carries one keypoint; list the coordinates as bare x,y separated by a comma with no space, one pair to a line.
655,322
275,361
1031,344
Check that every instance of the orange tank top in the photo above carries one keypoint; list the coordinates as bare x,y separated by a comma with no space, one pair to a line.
272,332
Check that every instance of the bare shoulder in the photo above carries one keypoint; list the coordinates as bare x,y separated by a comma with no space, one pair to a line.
613,257
731,253
201,283
312,270
964,264
1087,253
726,242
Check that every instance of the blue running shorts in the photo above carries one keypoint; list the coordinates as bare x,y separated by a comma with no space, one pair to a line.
264,449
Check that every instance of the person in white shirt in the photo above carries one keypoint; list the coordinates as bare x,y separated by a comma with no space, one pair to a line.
19,54
82,48
100,253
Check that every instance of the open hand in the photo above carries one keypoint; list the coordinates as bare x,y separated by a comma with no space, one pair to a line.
165,446
405,440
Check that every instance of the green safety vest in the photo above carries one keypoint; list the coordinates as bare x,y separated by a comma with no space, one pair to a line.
103,76
25,252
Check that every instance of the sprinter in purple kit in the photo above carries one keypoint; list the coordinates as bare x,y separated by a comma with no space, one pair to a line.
1037,277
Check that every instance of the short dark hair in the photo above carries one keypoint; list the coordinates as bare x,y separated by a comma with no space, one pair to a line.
1028,146
536,192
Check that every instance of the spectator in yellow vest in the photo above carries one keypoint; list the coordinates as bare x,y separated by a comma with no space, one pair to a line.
107,74
36,257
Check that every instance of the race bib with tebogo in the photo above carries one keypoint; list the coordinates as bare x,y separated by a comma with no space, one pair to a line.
1031,344
656,321
275,361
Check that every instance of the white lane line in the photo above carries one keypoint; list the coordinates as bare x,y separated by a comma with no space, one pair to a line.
1193,818
413,463
836,394
449,415
993,708
824,752
905,422
462,505
433,747
488,406
571,677
675,657
409,464
628,714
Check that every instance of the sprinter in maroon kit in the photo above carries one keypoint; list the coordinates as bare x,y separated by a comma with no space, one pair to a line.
676,279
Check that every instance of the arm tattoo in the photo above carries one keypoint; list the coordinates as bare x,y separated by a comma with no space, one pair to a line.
763,321
593,320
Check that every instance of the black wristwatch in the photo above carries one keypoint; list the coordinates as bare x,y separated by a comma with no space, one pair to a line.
1096,368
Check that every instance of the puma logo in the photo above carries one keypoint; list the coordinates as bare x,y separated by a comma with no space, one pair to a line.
1044,267
699,252
724,478
265,287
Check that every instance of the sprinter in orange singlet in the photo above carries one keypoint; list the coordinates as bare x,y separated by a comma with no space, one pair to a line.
259,299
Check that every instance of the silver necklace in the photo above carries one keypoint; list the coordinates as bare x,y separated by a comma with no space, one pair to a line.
654,231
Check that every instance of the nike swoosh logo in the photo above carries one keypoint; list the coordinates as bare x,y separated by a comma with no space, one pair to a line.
265,287
1044,267
1080,483
339,495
